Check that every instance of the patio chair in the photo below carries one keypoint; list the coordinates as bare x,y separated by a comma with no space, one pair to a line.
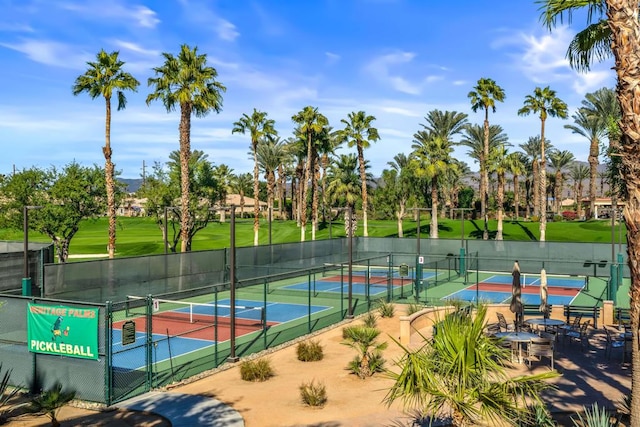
504,326
581,335
539,348
614,340
571,327
551,336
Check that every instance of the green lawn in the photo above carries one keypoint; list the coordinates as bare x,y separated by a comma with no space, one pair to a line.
141,236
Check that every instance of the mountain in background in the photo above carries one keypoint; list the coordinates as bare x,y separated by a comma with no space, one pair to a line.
131,185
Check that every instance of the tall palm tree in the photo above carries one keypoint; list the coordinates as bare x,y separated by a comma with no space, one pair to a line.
593,128
517,165
223,174
344,182
187,81
559,160
432,159
102,78
398,177
258,126
578,174
543,102
329,142
484,96
270,155
532,148
474,138
358,131
311,123
499,164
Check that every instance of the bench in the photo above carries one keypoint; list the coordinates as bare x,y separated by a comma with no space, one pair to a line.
622,316
571,311
534,310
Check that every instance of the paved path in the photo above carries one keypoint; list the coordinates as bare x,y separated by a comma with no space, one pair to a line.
186,410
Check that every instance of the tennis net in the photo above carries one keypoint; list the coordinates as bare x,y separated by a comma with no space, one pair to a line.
194,312
375,274
530,279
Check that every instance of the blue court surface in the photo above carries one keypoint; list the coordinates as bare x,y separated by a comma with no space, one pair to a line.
133,356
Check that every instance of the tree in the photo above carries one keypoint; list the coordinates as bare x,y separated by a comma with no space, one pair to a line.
102,78
67,196
499,164
532,149
241,185
543,102
223,175
344,183
517,164
259,127
462,370
578,173
310,124
395,188
358,132
271,154
593,128
186,80
559,160
484,97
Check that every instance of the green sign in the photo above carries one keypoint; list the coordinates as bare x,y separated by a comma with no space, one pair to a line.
63,331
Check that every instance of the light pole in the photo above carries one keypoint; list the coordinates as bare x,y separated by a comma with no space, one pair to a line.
463,268
26,279
419,259
232,286
349,227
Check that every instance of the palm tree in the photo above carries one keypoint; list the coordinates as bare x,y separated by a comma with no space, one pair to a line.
532,148
102,78
499,164
223,174
543,102
463,370
517,165
344,183
400,176
432,159
359,132
578,173
593,128
187,81
559,160
241,185
484,96
270,155
311,123
258,127
474,138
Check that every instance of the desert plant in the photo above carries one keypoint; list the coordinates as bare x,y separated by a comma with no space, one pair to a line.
540,417
256,370
464,370
309,351
49,402
414,307
386,309
6,394
370,319
313,394
369,359
593,416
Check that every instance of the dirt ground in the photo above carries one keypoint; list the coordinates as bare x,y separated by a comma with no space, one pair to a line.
276,402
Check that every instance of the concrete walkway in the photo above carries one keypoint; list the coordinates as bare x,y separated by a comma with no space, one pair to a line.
186,410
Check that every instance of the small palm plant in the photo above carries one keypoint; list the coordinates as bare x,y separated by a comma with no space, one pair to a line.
369,359
465,370
6,394
594,416
49,402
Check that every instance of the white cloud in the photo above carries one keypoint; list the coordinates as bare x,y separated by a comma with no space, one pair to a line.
14,27
134,47
102,10
384,69
401,111
199,13
50,52
226,30
332,58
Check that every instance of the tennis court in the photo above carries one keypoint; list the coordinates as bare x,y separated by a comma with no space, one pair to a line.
182,327
495,288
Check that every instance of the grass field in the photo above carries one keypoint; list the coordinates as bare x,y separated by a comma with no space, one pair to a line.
141,236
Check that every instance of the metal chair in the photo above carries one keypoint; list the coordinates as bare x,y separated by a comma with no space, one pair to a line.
540,347
504,326
580,335
572,327
614,340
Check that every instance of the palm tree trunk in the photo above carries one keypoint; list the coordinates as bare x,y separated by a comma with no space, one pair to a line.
484,178
305,191
434,208
516,195
593,176
109,179
316,195
625,44
500,204
363,178
543,186
185,153
256,194
536,188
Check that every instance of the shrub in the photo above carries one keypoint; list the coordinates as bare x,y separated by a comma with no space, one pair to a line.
386,309
256,370
313,394
50,401
309,351
6,394
593,416
569,215
535,218
414,307
364,340
370,319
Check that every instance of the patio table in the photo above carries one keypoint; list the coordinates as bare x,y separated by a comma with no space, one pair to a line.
542,321
516,338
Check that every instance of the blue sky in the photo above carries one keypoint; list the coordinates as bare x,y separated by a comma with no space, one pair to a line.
394,59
